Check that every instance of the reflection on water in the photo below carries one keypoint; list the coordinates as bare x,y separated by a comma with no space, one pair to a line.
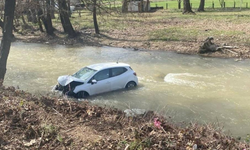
188,88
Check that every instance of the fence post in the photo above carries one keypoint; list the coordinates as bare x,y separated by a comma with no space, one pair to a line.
156,5
213,4
179,4
224,4
246,5
166,5
234,4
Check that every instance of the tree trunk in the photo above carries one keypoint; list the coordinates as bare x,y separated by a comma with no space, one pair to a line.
95,19
1,23
69,11
52,11
141,6
187,7
202,4
147,6
23,19
7,35
40,17
67,26
179,4
50,29
29,15
124,6
32,15
44,15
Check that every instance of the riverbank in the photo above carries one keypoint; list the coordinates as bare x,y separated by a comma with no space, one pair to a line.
43,122
161,30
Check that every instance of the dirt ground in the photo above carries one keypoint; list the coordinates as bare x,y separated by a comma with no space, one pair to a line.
43,122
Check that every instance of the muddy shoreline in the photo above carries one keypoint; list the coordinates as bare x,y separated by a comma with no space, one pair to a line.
87,38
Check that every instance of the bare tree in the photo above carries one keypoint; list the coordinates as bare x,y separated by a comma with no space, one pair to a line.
147,4
7,35
64,15
202,4
1,23
94,18
179,4
221,3
48,21
44,14
125,6
52,11
187,7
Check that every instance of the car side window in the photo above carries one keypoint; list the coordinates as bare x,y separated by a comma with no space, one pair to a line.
117,71
102,75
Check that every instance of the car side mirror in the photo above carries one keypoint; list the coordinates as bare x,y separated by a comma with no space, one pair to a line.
93,81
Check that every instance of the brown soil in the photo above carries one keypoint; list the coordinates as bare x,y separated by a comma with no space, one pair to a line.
30,122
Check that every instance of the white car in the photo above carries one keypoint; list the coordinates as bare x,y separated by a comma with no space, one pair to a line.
96,79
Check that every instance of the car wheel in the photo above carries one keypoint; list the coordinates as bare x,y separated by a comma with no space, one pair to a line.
130,85
82,94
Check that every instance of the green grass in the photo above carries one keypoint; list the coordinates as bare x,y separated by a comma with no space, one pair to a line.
173,34
172,25
195,4
189,34
173,4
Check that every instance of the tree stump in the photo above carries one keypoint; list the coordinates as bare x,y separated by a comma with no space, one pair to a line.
208,46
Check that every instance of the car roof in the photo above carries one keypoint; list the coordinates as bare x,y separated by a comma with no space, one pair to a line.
101,66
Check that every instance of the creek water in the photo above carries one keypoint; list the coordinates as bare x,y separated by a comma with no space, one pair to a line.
187,88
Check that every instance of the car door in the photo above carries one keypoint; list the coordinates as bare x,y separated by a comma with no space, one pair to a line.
117,78
102,83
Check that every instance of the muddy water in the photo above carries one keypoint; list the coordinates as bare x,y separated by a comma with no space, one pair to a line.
188,88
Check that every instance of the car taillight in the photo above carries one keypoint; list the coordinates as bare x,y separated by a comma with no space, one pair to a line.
135,73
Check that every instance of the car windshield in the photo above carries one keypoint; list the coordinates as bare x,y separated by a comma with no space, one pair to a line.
84,73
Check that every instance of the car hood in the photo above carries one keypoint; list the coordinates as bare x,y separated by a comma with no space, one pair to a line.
65,80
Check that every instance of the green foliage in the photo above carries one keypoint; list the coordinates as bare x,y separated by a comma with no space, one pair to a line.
50,129
21,103
59,138
247,138
140,145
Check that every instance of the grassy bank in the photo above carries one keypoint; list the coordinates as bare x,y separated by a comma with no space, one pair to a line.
31,122
167,30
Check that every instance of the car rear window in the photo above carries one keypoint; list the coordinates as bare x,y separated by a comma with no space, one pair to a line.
118,71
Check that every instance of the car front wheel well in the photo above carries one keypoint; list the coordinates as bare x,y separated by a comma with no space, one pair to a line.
82,94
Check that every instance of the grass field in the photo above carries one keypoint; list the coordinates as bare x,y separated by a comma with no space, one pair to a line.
208,4
173,4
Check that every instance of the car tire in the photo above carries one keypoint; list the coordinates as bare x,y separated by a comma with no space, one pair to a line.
82,94
130,84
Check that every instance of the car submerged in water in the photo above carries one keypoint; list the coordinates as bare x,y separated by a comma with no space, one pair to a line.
96,79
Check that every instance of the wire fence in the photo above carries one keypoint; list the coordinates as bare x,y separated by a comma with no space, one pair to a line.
213,5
